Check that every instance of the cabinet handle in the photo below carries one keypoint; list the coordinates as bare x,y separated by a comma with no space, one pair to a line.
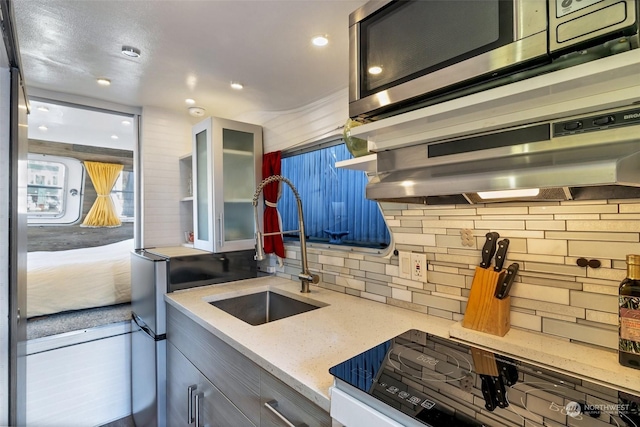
196,408
190,390
220,230
272,405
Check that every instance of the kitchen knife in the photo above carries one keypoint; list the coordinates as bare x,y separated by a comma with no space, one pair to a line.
488,392
501,254
502,290
500,392
508,370
489,249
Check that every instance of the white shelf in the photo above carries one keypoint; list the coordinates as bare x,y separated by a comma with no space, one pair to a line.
601,84
237,152
185,157
365,163
187,199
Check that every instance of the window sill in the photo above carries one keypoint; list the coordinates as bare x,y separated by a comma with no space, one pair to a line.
341,248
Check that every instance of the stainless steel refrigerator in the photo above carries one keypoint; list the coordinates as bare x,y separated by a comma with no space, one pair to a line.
155,272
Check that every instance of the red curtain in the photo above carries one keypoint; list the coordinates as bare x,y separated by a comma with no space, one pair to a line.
271,166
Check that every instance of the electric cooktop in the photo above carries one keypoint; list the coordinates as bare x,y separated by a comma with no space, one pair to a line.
441,382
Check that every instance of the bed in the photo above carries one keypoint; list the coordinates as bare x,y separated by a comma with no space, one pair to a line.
77,279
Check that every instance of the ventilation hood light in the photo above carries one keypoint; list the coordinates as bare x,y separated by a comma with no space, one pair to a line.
190,101
375,70
126,122
115,137
509,194
43,109
102,81
236,85
43,128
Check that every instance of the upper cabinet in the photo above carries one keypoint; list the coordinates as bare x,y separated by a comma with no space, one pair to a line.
227,159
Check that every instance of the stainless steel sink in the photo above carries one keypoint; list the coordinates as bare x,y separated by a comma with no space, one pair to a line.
263,307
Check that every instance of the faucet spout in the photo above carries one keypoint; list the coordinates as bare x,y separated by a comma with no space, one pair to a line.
305,276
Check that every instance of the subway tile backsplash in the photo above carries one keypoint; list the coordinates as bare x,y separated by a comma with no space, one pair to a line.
551,294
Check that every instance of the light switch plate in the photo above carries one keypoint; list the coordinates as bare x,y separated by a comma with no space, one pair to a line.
418,267
404,264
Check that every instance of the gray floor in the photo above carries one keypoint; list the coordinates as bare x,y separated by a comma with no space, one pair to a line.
123,422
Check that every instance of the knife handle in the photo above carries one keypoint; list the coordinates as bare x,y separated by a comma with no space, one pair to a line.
500,392
488,392
489,249
501,254
502,290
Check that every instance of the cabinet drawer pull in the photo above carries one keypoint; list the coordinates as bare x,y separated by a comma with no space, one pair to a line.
272,405
190,391
196,408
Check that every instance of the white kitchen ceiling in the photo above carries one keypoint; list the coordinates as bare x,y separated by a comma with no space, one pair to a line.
72,125
190,49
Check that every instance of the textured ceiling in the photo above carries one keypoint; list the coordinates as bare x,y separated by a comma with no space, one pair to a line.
190,49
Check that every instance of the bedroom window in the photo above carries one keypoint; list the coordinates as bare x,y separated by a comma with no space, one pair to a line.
122,196
336,210
54,189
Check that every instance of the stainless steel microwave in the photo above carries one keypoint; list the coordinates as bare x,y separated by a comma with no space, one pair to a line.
409,54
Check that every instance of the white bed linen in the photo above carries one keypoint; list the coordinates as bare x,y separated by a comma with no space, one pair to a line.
78,278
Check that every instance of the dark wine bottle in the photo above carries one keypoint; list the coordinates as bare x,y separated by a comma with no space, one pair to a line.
629,315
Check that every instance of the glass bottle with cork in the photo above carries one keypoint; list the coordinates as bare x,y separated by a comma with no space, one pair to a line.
629,315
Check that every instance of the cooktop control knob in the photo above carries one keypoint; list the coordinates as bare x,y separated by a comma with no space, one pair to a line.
602,121
573,125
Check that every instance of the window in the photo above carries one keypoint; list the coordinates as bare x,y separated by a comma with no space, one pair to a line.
122,196
333,200
54,189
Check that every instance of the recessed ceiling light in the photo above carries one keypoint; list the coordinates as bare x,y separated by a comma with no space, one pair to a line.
130,51
126,122
190,101
320,40
236,85
43,109
102,81
376,69
115,137
43,128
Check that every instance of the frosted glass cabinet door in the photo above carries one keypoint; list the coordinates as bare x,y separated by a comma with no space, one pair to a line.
231,153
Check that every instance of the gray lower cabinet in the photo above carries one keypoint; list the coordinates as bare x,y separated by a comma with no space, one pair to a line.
283,406
193,401
236,392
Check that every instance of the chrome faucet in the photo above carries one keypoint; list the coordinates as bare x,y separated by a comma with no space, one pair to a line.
305,275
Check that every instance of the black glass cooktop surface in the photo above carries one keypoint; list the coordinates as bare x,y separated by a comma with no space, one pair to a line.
443,383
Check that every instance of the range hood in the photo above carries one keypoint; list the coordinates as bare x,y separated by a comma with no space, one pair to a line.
596,156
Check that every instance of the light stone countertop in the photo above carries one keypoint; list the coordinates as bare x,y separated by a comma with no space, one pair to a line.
299,350
594,364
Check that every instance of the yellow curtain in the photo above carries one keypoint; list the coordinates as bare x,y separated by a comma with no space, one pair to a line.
103,176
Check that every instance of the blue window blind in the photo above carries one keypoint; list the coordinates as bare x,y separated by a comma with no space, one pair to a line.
333,200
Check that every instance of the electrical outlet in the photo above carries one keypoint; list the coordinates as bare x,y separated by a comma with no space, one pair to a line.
419,267
404,265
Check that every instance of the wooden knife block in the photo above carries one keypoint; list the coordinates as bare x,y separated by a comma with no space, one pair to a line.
485,312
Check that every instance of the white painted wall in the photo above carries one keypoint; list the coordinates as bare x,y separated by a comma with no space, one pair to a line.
166,136
310,123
